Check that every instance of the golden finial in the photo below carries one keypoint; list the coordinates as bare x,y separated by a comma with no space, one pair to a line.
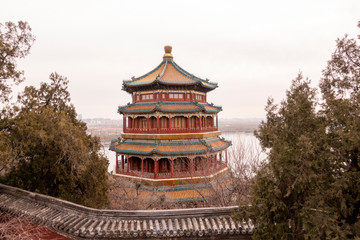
168,54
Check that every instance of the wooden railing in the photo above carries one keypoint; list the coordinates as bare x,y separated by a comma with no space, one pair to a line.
176,174
170,130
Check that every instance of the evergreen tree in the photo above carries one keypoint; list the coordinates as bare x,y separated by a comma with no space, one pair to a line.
54,154
340,88
309,186
292,138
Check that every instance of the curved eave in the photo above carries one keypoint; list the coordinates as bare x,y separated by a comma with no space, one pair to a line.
145,75
187,74
155,151
222,147
158,107
205,149
131,85
130,151
164,153
122,110
115,143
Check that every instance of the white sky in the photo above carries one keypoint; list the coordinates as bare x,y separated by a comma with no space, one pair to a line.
252,49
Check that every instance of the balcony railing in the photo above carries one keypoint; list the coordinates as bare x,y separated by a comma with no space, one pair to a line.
170,130
176,174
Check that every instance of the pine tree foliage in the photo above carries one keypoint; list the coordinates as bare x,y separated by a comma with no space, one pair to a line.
285,182
309,187
340,88
52,152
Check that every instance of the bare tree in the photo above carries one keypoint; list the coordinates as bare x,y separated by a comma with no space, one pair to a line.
245,157
12,227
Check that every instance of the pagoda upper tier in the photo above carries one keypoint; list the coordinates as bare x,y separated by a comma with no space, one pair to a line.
168,75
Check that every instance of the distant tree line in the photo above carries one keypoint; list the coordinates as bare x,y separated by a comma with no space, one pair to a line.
43,147
309,186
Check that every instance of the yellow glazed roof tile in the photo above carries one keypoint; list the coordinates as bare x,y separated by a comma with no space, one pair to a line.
210,108
218,144
152,76
173,148
140,107
171,74
135,147
178,106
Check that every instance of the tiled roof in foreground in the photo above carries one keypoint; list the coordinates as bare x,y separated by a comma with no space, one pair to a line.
79,222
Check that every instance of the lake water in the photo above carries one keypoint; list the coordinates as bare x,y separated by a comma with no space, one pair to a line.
244,152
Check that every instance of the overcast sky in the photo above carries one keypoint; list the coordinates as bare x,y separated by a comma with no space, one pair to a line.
252,49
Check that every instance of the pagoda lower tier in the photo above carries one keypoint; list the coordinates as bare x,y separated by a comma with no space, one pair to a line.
169,156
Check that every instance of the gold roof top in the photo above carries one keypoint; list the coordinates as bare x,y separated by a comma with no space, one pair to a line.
168,54
170,74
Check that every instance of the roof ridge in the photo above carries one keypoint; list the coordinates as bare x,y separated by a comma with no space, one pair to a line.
184,72
146,74
163,71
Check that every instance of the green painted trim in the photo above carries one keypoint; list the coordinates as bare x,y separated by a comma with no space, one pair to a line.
205,83
157,143
157,107
138,78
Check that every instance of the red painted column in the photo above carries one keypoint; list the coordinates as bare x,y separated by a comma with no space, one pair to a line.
133,123
188,124
156,168
200,123
142,166
226,157
207,164
216,162
148,124
191,166
158,124
217,122
169,124
122,163
116,164
221,158
128,165
124,124
172,167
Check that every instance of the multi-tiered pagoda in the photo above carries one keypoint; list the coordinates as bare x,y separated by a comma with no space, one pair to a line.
169,129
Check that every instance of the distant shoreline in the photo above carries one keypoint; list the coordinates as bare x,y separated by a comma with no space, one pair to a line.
109,129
